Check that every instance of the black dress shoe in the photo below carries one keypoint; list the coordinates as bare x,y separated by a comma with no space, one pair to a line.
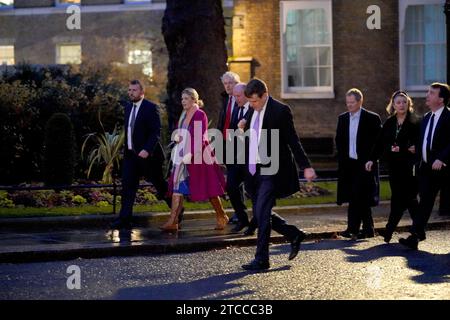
346,234
250,231
411,242
256,265
120,224
387,235
365,234
239,226
295,245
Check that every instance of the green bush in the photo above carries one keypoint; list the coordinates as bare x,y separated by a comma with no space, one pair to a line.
59,150
5,202
78,200
144,196
102,204
30,95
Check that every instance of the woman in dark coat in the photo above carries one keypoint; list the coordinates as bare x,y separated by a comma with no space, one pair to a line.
398,140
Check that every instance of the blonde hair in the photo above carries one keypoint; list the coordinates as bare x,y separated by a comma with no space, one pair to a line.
194,95
390,107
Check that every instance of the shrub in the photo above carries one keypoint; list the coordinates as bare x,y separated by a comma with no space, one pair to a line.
59,150
100,195
78,200
144,196
5,202
102,204
106,152
30,95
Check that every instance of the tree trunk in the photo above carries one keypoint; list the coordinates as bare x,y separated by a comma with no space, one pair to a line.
195,38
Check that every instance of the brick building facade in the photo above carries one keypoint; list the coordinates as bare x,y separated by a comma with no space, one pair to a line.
123,33
374,60
309,52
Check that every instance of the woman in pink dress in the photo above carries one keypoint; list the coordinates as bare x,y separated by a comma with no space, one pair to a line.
195,172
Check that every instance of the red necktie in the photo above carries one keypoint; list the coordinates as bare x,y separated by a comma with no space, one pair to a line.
227,119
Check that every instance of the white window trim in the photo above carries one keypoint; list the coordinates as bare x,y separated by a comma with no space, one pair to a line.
305,92
413,91
57,55
58,3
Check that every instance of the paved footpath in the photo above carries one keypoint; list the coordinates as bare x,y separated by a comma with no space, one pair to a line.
67,238
326,269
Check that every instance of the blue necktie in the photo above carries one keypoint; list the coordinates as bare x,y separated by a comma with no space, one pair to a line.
429,136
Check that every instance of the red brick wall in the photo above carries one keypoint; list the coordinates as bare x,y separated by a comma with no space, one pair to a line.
363,58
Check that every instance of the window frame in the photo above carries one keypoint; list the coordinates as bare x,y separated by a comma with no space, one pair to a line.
317,92
415,90
13,56
143,45
59,45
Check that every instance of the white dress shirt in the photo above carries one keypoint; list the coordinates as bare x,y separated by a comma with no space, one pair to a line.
437,115
246,106
261,119
233,102
129,135
353,133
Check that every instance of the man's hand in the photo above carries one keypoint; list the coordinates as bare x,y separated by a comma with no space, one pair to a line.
412,149
143,154
369,165
309,174
438,165
241,124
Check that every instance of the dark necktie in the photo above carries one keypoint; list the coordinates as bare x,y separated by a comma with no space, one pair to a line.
429,136
241,113
132,121
133,118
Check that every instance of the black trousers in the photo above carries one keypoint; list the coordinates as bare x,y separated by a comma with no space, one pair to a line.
430,183
404,189
359,209
444,202
262,191
133,168
235,181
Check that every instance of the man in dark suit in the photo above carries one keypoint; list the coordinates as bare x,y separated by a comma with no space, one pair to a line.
271,148
228,121
434,154
356,134
235,170
143,154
